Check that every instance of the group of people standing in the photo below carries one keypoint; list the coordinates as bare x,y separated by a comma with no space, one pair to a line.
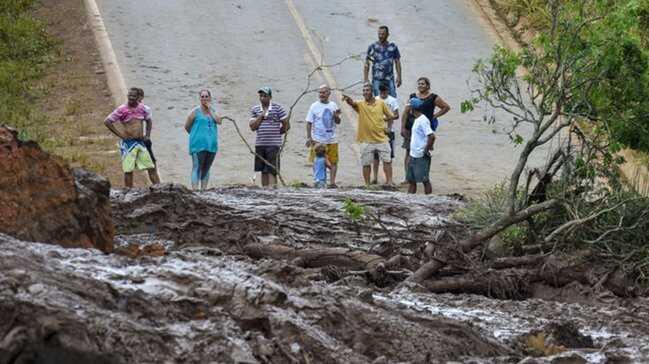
377,111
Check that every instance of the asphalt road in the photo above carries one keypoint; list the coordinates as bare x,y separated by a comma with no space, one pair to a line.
174,48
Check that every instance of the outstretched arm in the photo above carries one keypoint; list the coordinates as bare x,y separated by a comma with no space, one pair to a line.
350,102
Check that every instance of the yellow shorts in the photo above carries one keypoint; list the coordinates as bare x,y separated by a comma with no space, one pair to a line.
137,159
331,152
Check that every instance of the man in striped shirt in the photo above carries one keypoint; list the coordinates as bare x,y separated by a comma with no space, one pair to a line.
270,121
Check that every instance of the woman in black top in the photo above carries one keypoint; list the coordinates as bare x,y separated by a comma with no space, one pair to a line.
431,101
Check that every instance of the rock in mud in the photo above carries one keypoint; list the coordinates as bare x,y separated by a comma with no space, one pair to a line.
42,199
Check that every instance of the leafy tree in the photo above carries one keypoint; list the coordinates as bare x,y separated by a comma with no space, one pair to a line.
580,84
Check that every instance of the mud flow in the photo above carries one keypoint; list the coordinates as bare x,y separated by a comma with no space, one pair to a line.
240,275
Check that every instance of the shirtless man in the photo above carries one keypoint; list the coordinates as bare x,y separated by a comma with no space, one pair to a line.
126,122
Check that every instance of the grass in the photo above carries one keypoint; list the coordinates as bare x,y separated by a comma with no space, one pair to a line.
45,91
25,52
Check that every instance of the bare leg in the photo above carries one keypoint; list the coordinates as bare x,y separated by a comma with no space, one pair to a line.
264,179
272,180
367,170
406,160
128,179
412,187
375,170
387,169
153,176
334,169
428,189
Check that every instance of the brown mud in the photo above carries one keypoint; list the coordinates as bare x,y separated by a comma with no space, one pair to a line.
248,275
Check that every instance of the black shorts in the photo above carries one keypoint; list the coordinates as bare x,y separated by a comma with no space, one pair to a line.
269,153
147,144
391,136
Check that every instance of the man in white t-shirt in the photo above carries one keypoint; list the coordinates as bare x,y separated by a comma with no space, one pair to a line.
321,121
393,105
421,143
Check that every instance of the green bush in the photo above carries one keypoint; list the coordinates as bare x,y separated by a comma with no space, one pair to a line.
485,209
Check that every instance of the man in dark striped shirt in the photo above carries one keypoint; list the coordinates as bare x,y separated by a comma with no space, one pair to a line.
270,121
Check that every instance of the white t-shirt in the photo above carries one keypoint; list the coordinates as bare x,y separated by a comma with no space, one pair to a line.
393,105
321,118
419,138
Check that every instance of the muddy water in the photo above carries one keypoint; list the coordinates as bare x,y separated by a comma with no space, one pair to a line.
207,299
174,48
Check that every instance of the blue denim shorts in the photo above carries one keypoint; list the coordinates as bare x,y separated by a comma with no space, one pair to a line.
392,88
418,170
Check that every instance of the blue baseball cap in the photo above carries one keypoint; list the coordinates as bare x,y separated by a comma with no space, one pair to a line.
266,90
416,103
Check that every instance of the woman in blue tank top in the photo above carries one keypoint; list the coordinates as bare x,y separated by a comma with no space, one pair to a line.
202,127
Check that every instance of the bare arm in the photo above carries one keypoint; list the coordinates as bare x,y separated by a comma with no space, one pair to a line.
404,120
388,116
444,107
337,118
309,141
216,117
397,65
112,128
255,122
189,122
366,70
286,125
430,141
147,130
350,102
394,117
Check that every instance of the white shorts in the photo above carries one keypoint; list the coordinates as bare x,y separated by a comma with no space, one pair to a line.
368,150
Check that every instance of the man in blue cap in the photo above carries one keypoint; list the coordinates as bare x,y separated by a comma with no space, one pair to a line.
421,143
269,121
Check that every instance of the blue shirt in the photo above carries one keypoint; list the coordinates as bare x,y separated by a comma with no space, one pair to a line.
204,134
382,57
320,169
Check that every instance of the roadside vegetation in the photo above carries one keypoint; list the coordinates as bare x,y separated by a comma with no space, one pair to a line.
581,83
52,86
25,52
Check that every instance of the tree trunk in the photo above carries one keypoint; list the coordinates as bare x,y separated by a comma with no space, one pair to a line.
429,269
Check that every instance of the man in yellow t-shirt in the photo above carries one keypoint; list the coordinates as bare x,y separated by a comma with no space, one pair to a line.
372,135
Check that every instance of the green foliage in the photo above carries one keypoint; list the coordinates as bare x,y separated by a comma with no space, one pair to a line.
353,210
25,49
614,230
606,50
486,209
514,235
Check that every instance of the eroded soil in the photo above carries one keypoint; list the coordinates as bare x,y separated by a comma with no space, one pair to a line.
203,286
